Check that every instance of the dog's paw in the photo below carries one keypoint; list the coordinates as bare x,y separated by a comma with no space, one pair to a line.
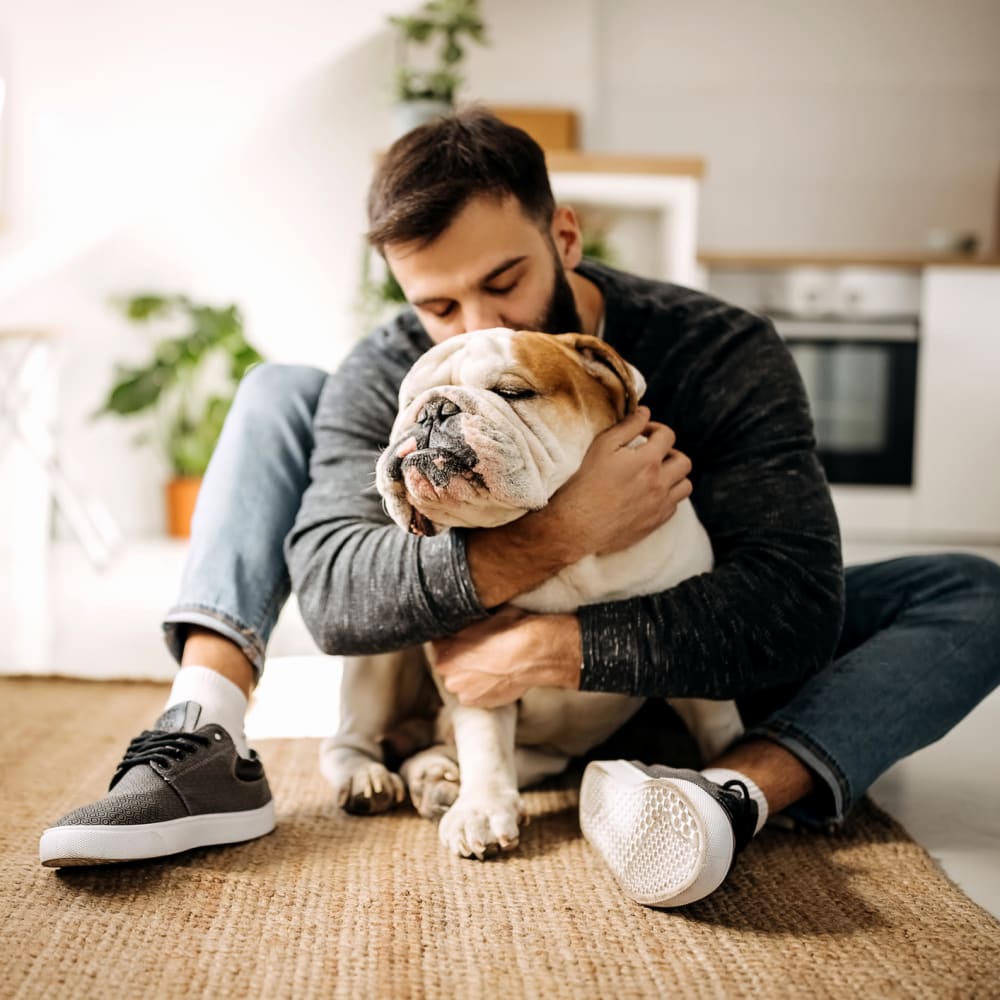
482,825
362,786
371,789
432,779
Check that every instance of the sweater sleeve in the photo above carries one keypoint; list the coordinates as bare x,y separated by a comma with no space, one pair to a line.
363,584
770,611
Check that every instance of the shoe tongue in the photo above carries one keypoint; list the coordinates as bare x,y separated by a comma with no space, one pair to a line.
179,718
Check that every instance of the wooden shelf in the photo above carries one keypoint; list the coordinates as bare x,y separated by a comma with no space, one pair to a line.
571,162
916,260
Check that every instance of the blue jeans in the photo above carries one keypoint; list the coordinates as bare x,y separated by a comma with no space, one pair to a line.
919,650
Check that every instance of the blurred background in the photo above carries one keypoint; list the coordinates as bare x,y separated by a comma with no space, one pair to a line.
187,184
182,192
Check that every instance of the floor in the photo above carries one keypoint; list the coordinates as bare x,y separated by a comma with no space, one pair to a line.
107,625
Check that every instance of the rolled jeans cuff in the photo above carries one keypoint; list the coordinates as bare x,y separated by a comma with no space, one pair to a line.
174,632
827,806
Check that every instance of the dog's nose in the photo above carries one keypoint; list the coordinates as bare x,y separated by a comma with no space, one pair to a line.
437,409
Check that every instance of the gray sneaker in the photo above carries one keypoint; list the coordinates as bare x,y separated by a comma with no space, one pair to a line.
177,787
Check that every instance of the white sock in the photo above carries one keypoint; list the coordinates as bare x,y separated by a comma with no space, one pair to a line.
720,775
222,702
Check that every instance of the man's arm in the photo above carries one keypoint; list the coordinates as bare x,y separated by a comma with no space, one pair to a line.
617,496
768,614
363,584
771,610
366,586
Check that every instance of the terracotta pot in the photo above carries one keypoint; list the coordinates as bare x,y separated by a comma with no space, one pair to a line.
182,492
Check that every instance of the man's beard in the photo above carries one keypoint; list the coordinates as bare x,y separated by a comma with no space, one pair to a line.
561,314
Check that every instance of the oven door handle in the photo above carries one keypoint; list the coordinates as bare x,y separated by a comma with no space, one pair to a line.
845,330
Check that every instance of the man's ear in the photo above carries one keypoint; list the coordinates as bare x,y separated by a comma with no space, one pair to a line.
624,381
567,237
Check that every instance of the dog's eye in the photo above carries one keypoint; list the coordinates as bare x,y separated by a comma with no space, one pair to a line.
514,391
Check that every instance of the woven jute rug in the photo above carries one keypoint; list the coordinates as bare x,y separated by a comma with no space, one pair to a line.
337,906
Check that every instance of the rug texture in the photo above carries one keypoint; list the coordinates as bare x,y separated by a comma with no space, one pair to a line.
336,906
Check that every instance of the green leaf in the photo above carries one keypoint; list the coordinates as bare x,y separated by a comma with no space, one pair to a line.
212,325
242,360
449,20
413,29
143,307
443,84
137,391
390,290
192,442
168,352
190,424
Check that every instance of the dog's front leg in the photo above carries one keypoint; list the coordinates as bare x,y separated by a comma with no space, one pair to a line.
484,819
372,689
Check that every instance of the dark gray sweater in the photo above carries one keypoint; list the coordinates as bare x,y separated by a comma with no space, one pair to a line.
768,615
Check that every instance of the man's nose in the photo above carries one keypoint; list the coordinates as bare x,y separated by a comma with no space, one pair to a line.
481,316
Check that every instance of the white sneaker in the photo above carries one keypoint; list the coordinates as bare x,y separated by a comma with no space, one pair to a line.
668,835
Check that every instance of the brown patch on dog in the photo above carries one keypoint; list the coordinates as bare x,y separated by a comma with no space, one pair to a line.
610,387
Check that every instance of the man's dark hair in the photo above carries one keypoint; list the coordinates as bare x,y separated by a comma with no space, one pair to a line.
430,174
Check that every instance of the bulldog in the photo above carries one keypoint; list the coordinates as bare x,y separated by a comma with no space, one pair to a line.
490,425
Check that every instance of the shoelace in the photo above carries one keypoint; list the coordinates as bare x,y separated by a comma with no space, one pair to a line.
734,783
743,817
158,746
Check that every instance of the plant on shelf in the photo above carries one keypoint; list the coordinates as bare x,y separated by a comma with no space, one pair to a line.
425,91
594,225
188,386
380,296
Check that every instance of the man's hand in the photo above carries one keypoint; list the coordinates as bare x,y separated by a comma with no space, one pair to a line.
615,499
493,662
620,494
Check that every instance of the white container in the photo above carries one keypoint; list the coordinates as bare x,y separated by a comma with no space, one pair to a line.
841,292
869,293
808,292
408,115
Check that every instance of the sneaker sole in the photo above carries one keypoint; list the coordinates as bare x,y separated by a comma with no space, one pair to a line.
652,833
65,846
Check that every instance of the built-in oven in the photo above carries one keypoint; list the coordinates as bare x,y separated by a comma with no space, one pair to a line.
861,379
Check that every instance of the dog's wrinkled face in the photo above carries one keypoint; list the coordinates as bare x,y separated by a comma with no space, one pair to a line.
493,422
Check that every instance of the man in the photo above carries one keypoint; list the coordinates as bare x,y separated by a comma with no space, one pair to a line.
834,682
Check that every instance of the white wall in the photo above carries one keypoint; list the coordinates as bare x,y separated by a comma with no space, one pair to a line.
541,54
855,125
116,104
273,222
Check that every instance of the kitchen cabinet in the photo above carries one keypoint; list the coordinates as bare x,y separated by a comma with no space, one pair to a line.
650,204
958,413
954,305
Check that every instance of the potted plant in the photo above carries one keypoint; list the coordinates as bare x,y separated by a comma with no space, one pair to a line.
380,296
424,92
188,386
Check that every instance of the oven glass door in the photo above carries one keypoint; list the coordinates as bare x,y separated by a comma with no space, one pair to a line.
861,382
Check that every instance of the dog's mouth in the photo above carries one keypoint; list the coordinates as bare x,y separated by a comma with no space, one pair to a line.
466,472
420,525
434,477
439,476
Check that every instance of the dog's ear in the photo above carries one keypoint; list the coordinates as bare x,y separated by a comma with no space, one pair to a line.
624,381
